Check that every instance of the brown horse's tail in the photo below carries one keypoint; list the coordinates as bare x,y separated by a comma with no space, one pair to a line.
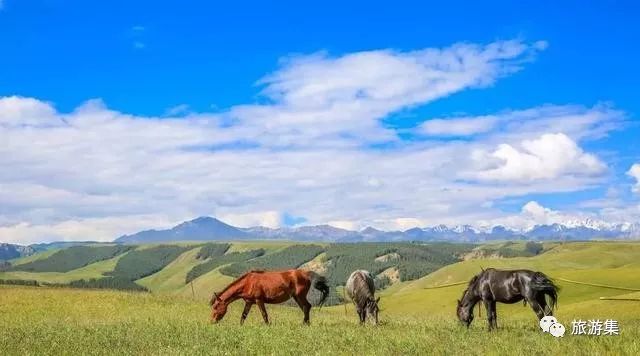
320,283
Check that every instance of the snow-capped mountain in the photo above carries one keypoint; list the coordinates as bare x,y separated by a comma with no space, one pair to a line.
207,228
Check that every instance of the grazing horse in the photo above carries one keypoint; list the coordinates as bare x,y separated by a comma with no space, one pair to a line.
361,289
492,285
260,287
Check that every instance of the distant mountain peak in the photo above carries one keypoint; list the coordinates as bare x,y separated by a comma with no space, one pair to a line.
205,228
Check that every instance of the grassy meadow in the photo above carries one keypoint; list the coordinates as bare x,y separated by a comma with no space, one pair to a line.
417,317
43,321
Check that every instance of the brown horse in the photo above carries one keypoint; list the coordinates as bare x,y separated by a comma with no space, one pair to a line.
260,287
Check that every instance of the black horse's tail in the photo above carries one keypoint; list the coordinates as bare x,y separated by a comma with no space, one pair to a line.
543,284
320,283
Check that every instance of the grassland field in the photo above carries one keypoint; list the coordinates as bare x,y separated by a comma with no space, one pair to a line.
416,317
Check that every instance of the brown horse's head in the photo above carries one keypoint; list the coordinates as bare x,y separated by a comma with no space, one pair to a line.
218,308
372,309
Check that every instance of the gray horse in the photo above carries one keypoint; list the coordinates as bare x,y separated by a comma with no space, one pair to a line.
361,290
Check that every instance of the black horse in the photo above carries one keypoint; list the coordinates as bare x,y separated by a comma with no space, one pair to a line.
492,285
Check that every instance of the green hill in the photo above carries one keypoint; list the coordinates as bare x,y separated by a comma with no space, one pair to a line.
615,264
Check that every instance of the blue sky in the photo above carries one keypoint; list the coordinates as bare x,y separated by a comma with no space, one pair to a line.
225,88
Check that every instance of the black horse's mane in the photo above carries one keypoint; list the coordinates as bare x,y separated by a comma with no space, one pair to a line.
472,283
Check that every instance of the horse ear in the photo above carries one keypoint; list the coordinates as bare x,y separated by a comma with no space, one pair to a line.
216,295
377,299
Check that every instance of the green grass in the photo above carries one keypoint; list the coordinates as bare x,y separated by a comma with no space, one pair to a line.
42,321
415,320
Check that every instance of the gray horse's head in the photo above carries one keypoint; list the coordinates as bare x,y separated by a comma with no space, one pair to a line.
372,309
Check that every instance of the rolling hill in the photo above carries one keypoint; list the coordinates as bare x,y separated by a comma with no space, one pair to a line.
195,268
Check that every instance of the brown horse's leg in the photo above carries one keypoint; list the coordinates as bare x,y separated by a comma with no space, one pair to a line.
245,312
304,304
263,310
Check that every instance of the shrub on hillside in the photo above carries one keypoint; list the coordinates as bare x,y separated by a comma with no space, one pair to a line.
212,250
108,283
19,282
217,261
141,263
72,258
290,257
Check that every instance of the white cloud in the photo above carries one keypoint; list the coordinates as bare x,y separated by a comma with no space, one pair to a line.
403,224
344,224
178,110
272,219
634,172
19,111
546,157
532,214
90,229
95,173
459,126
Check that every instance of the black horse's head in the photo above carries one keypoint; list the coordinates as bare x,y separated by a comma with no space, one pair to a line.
465,306
465,313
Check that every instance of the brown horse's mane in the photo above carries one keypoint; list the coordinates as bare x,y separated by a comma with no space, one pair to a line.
238,280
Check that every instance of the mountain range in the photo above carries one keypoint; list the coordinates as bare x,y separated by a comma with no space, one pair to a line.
209,228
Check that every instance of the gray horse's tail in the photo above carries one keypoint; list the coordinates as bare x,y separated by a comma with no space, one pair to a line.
543,284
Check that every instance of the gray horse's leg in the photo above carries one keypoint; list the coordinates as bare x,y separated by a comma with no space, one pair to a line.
362,314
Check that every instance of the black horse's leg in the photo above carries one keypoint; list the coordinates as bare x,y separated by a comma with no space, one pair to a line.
245,312
494,313
263,310
490,305
487,305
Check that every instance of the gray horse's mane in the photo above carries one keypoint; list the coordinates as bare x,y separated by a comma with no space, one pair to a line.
361,288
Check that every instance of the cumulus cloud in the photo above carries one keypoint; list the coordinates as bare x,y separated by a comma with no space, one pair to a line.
533,213
634,172
547,157
95,173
